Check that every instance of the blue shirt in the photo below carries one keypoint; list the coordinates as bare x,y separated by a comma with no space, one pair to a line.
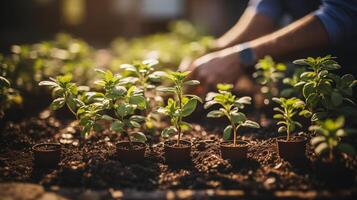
339,17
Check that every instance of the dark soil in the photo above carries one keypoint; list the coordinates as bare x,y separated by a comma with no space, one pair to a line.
173,143
47,147
93,163
231,144
291,139
126,146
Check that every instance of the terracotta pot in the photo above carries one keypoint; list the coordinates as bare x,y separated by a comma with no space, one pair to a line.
46,155
292,150
234,153
131,155
177,154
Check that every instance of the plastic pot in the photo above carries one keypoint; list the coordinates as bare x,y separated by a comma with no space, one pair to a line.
292,150
234,153
133,154
177,154
46,155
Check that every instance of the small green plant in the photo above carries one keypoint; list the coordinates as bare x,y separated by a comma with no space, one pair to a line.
64,92
123,103
8,96
328,139
179,107
289,82
268,73
287,110
323,91
231,106
145,76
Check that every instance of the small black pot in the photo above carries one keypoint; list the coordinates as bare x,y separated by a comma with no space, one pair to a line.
292,150
234,153
46,155
131,155
177,154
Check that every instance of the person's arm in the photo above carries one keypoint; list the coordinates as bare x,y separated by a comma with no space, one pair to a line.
225,67
303,35
250,26
257,20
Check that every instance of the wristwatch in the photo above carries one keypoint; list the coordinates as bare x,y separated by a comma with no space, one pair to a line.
246,55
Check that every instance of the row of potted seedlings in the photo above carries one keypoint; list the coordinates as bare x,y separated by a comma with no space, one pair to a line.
125,102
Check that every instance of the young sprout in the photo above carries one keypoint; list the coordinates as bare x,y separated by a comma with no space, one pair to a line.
182,106
64,92
329,137
144,76
325,92
231,106
123,103
287,112
268,73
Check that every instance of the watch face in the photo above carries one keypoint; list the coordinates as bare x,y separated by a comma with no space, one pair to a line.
247,56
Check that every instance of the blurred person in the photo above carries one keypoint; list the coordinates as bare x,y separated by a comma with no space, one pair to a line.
325,25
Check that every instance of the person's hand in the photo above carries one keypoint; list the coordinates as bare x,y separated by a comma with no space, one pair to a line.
217,67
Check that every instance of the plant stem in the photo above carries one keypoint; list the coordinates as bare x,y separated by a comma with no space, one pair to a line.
179,95
288,132
234,135
130,143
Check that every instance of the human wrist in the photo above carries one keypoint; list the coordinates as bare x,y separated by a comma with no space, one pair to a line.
246,54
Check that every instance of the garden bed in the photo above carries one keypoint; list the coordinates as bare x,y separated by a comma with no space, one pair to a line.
93,164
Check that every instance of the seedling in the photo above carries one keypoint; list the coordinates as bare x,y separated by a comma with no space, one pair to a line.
287,112
268,73
145,77
123,103
329,137
182,106
231,106
323,91
64,93
8,96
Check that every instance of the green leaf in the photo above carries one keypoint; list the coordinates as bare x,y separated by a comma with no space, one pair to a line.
278,116
251,124
139,101
317,140
107,117
224,87
215,114
282,129
300,62
45,83
312,100
192,82
166,89
208,104
227,132
167,132
244,100
57,103
322,147
137,118
97,127
134,124
308,89
238,117
117,126
336,98
139,136
347,148
189,107
194,97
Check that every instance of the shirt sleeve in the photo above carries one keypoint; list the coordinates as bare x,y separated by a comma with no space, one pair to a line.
270,8
339,17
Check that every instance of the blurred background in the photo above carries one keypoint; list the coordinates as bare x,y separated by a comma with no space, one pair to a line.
98,22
